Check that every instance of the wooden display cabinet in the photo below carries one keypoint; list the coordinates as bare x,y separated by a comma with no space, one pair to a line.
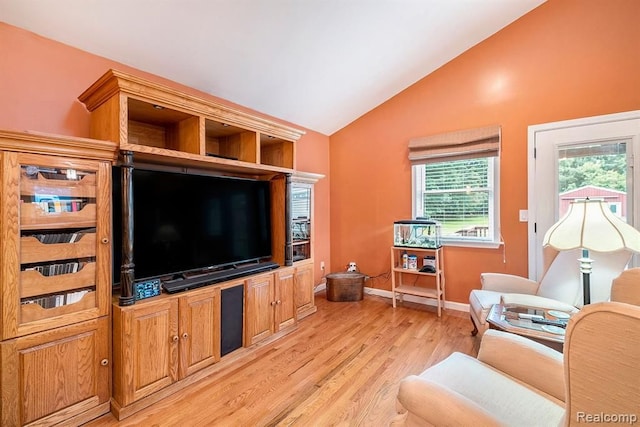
55,278
302,233
408,280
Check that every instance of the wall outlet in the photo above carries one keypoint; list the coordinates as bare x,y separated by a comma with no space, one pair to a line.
322,265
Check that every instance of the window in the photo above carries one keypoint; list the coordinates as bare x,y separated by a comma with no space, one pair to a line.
461,195
456,182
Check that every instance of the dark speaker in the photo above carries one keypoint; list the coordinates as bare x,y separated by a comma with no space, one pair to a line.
232,302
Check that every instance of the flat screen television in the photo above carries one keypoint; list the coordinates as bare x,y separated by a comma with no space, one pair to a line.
188,223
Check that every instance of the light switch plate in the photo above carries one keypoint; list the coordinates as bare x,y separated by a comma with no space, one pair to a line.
524,215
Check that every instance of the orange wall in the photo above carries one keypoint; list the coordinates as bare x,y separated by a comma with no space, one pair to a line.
566,59
40,81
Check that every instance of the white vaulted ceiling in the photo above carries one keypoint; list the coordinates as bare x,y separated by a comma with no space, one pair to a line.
317,63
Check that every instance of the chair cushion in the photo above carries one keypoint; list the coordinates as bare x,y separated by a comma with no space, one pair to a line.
500,395
481,301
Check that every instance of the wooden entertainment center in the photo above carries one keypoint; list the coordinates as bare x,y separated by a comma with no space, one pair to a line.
59,317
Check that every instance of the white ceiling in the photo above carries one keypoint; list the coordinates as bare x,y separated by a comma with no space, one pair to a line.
317,63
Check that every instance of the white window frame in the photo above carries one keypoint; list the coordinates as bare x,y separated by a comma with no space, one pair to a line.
493,240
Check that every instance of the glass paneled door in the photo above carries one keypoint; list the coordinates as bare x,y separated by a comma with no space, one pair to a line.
596,157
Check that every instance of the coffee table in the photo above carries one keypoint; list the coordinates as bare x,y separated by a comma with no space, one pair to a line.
512,318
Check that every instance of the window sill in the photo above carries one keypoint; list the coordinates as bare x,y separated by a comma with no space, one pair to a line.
472,244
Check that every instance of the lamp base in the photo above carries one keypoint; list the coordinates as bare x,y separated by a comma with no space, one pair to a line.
585,268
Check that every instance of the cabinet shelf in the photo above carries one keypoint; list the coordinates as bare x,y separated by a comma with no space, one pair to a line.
84,187
418,291
398,273
33,283
33,217
34,312
412,271
32,250
147,154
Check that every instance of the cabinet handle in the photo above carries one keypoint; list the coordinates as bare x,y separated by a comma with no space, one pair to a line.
105,240
185,335
175,338
278,302
273,303
104,362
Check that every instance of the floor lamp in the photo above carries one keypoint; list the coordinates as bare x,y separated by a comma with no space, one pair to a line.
590,225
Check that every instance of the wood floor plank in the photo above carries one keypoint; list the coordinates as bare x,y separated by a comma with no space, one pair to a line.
341,367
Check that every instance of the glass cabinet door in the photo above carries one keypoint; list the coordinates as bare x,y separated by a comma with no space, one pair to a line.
301,221
60,207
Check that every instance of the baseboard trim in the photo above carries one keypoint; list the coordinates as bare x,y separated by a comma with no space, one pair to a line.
452,305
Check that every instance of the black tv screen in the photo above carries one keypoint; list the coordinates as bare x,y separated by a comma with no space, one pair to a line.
186,222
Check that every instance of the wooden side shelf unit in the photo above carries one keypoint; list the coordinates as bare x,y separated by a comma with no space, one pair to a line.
410,281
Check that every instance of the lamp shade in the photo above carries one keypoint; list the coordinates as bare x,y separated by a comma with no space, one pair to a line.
590,224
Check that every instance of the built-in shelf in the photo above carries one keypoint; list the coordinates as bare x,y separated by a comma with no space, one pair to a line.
162,125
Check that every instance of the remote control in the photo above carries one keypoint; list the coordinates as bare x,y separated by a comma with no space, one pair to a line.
529,316
550,322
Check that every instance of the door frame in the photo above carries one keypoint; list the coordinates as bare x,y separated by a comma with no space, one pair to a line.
533,132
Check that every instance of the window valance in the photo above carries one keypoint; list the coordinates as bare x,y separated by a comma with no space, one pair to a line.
458,145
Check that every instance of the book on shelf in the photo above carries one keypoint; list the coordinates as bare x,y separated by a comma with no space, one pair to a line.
55,269
72,237
57,300
59,206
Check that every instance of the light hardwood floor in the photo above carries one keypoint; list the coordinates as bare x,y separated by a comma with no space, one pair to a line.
342,366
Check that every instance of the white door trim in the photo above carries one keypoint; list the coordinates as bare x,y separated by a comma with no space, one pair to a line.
533,131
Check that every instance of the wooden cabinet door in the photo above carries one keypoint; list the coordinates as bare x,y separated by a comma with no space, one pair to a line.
199,330
145,348
304,297
285,314
259,314
55,376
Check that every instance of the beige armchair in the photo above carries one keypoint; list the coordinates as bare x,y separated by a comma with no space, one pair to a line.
626,287
517,382
560,287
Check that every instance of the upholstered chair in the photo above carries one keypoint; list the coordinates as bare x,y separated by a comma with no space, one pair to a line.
560,287
626,287
518,382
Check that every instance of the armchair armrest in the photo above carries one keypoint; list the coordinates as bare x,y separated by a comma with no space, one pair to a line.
444,407
508,283
528,361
